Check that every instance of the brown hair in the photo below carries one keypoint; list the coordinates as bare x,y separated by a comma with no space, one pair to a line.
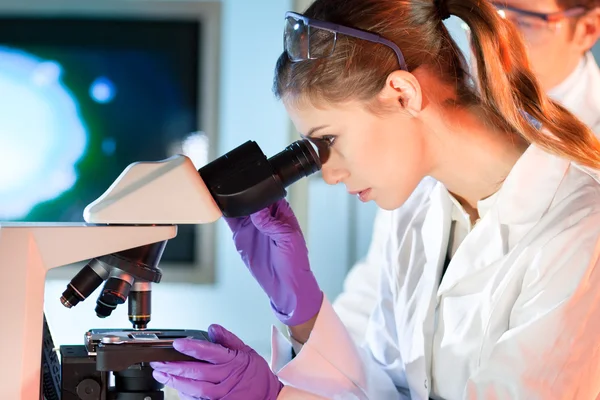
505,87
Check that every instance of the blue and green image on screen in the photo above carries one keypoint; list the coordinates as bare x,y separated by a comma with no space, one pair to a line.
81,100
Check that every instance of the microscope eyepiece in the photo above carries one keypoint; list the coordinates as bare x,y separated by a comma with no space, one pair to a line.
296,161
244,181
84,283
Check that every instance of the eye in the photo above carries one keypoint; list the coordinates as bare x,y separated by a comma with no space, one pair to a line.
524,24
323,145
327,140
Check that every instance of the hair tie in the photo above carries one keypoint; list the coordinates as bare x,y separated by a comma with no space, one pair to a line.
442,9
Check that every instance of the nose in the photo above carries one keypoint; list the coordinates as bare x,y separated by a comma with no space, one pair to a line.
333,175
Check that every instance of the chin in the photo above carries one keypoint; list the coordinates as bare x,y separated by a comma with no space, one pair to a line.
388,205
392,201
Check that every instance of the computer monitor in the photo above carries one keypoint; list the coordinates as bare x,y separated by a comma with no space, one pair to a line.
86,92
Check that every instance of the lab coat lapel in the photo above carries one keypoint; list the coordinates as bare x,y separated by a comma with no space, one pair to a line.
481,248
417,325
521,203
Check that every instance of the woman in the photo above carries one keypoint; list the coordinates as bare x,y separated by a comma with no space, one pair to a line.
558,35
512,310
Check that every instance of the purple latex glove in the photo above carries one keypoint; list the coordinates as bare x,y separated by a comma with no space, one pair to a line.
228,369
272,247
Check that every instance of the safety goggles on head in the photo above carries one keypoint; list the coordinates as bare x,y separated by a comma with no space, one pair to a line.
309,39
535,26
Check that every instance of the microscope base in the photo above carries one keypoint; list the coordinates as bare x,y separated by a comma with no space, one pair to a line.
123,355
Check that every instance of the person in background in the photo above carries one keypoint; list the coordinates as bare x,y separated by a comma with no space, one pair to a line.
559,35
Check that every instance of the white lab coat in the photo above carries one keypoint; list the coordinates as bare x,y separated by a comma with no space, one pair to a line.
580,93
516,315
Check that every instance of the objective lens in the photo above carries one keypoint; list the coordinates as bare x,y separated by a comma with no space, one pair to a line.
114,292
296,161
139,305
84,283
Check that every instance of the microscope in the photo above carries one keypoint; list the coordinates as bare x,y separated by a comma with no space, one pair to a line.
122,239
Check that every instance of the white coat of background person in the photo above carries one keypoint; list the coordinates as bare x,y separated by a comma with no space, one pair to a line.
560,57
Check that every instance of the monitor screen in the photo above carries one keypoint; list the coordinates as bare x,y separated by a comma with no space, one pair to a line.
84,98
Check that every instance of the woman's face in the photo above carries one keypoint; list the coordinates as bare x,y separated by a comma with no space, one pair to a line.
377,157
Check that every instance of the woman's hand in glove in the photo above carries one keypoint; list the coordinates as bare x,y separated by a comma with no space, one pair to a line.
273,248
227,369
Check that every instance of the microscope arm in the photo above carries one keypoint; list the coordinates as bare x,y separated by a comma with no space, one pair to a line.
27,251
53,245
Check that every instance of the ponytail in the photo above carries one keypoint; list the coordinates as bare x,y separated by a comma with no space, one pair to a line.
509,89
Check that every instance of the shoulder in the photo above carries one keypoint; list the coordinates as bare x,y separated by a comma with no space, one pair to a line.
577,196
570,243
564,271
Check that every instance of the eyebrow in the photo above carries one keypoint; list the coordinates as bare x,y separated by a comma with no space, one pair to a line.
313,130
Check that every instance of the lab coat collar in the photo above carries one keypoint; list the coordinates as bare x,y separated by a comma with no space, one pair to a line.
529,188
525,196
485,205
524,183
462,218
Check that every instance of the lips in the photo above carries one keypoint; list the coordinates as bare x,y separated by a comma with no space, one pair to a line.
363,195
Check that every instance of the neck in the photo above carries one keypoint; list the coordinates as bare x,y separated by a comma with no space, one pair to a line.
554,81
471,158
561,87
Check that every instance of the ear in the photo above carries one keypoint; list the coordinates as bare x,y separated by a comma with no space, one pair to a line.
587,30
402,89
